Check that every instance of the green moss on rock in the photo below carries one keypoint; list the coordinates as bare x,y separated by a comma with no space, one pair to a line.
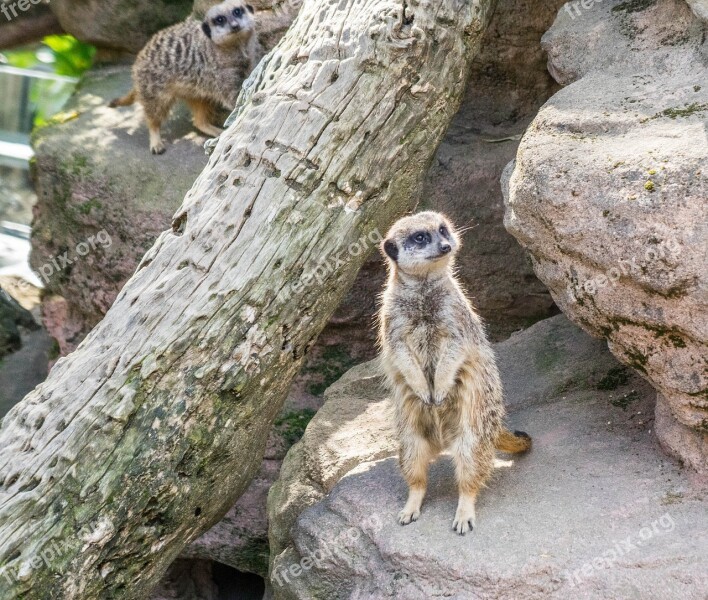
615,377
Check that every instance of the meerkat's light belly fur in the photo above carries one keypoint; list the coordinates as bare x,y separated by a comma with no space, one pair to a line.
474,406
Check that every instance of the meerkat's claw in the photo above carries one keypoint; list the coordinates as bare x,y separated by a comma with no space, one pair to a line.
426,398
407,516
439,398
464,516
462,527
159,149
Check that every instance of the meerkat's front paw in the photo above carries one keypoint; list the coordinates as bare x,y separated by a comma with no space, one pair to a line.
408,515
426,398
423,393
464,517
158,148
440,397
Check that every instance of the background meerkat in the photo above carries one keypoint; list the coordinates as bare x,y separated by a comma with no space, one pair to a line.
202,63
441,369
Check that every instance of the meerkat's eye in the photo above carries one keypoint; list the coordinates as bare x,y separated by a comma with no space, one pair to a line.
420,237
238,12
220,20
443,231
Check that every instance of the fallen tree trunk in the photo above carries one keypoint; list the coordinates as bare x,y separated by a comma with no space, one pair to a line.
144,437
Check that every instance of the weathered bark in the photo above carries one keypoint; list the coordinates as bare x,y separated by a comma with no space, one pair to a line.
145,435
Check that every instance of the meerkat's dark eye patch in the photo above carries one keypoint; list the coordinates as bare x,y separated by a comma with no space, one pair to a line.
238,12
444,232
206,29
420,238
391,250
220,20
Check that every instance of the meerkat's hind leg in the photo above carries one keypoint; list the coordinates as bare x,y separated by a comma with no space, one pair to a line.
415,458
156,111
473,466
201,113
157,146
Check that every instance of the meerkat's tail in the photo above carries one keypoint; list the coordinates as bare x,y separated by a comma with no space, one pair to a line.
514,443
126,100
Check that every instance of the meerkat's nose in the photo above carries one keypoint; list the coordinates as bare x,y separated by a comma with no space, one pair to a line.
236,26
445,247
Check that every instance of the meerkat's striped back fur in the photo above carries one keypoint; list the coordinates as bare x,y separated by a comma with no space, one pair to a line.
440,367
203,63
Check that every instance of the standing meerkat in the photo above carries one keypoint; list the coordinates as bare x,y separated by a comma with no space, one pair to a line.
444,380
202,63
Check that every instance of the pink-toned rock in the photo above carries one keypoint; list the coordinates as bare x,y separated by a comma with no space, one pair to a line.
547,527
608,194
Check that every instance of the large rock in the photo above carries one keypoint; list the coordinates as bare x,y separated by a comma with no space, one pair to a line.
97,185
594,511
608,194
700,7
123,25
21,27
26,366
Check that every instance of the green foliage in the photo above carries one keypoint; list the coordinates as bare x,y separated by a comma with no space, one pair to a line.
292,425
64,54
328,368
71,57
60,54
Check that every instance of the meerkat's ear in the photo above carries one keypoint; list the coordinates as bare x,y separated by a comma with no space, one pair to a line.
206,29
250,8
391,250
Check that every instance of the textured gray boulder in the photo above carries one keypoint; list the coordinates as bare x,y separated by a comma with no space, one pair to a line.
596,510
608,195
